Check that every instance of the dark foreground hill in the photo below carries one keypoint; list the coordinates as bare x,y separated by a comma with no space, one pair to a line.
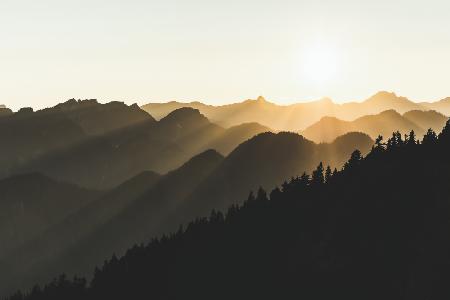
378,229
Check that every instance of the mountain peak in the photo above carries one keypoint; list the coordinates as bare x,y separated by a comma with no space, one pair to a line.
73,104
25,110
390,112
325,100
4,111
182,113
383,96
183,116
261,99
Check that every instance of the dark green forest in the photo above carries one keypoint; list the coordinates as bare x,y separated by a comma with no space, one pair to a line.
379,228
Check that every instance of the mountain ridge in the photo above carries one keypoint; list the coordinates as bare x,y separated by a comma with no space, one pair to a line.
383,123
296,116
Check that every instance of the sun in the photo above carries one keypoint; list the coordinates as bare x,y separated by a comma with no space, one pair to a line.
319,63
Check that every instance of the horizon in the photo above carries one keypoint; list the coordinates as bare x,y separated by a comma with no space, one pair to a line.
217,52
212,103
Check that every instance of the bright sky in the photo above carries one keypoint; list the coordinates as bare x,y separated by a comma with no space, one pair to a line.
221,51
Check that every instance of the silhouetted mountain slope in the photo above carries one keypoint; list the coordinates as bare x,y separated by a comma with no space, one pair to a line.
26,135
108,160
189,129
29,136
97,118
205,182
337,152
329,128
235,135
427,119
442,106
131,213
378,229
296,116
32,203
382,101
70,229
265,161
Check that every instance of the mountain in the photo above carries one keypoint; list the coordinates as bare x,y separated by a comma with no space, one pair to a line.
71,228
128,214
442,106
267,160
133,212
26,135
97,119
32,203
29,136
188,128
226,142
4,111
382,101
328,128
427,119
297,116
378,229
105,161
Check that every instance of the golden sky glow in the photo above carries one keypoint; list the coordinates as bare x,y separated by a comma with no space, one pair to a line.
221,51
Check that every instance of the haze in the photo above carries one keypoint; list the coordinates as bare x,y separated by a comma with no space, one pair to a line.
221,51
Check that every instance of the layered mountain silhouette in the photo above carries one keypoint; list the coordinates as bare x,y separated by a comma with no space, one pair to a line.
377,229
298,116
149,204
127,214
102,145
328,128
28,136
427,119
83,180
442,106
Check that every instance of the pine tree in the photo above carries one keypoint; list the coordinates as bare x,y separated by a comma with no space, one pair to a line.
354,160
317,175
261,196
445,133
328,174
430,137
411,138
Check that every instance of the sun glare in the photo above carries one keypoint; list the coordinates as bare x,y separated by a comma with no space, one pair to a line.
319,64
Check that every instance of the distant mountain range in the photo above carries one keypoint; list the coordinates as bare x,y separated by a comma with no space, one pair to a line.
298,116
384,123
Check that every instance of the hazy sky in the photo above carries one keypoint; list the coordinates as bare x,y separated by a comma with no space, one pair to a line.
221,51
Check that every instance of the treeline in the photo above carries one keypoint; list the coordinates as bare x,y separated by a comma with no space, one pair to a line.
377,229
